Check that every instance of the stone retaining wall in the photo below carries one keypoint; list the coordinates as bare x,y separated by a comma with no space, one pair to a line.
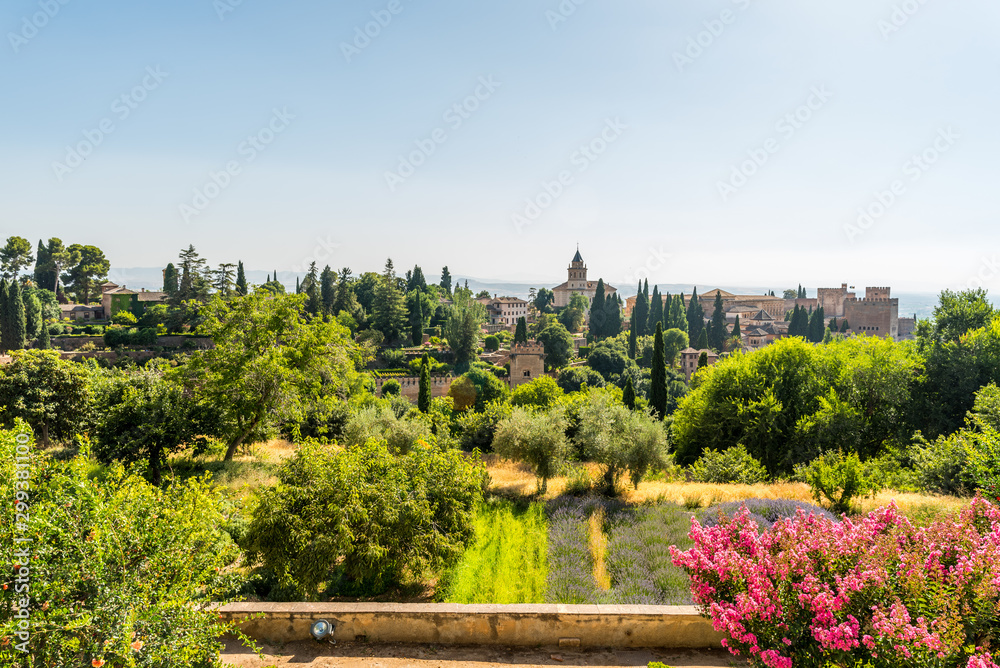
448,623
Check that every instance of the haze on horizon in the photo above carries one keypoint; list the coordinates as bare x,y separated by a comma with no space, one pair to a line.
290,126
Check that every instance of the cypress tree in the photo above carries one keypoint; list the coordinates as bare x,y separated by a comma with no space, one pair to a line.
655,310
703,339
6,335
679,319
424,395
598,312
170,280
658,376
834,326
417,326
702,360
446,279
328,289
241,280
641,312
18,326
844,326
718,331
42,260
44,342
521,331
614,320
298,287
737,332
632,333
628,394
695,317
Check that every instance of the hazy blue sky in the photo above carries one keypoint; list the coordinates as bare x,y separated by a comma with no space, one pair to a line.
184,84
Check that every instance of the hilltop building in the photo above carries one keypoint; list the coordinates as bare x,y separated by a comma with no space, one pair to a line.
577,284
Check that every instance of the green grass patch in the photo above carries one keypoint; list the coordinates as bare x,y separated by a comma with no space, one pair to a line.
507,562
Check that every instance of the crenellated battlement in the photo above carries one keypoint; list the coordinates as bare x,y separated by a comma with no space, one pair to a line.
529,348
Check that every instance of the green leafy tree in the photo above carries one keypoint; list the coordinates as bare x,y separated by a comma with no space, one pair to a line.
536,438
267,362
541,392
389,314
521,331
574,379
465,317
127,573
370,517
86,275
15,257
241,279
415,279
60,258
543,299
47,392
346,300
558,344
32,316
674,341
732,466
839,478
658,376
488,387
958,313
573,315
194,280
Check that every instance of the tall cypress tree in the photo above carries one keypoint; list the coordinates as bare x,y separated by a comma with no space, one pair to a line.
641,311
44,342
632,334
668,301
614,324
42,260
679,319
658,376
446,279
717,334
18,326
695,317
655,310
170,280
703,339
737,331
298,286
417,326
6,335
521,331
598,312
241,280
328,289
628,394
424,394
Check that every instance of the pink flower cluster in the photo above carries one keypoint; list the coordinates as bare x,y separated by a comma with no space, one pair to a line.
877,590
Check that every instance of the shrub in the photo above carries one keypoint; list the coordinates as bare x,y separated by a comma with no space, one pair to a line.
733,465
539,393
124,318
56,329
840,478
537,439
491,343
370,518
876,592
382,423
393,357
476,430
488,387
763,511
119,569
573,379
391,388
578,482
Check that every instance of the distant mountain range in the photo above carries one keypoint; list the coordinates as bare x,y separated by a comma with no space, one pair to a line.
151,278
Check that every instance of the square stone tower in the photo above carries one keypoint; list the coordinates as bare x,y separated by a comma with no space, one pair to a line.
527,362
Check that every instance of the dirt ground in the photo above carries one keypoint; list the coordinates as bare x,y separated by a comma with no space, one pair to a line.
365,655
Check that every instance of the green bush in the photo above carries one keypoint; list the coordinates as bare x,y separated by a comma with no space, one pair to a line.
56,329
839,479
491,343
124,319
381,422
119,568
362,519
539,393
393,357
476,429
391,388
733,465
117,336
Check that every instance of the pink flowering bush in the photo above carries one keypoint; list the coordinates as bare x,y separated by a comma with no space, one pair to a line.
875,591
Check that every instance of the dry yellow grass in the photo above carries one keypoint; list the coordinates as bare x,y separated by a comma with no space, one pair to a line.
598,548
512,478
